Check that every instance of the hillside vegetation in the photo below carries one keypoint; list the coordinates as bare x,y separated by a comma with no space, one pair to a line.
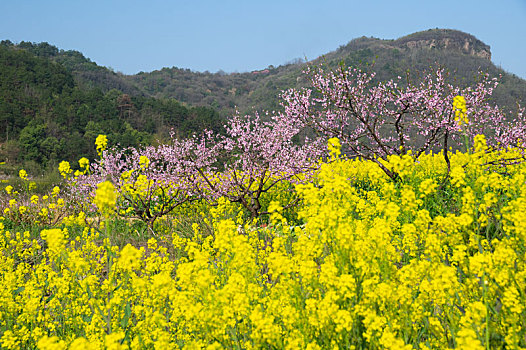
287,246
49,114
53,102
460,53
372,234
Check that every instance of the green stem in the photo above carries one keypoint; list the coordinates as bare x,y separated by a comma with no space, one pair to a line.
466,142
487,310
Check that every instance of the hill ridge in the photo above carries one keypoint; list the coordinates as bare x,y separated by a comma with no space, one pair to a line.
61,98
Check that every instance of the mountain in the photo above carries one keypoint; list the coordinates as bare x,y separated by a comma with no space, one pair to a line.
461,53
53,103
87,74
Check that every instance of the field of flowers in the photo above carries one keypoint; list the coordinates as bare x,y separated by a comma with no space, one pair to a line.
250,241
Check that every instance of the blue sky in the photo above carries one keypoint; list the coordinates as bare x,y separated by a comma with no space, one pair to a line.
238,36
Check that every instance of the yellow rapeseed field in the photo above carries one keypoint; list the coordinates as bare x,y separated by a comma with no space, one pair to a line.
426,262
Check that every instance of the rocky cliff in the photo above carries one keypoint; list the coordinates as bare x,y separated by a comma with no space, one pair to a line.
445,39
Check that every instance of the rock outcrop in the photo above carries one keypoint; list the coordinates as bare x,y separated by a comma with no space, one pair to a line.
445,39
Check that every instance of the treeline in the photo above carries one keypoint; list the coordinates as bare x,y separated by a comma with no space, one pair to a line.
245,91
53,102
87,73
46,116
389,58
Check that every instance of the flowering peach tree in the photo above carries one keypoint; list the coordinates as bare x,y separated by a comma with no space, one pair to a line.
148,186
254,157
374,120
247,162
377,121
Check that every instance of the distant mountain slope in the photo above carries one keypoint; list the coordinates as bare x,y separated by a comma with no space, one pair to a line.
47,115
87,74
53,102
461,53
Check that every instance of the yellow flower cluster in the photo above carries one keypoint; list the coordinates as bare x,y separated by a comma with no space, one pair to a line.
83,163
402,165
9,189
24,208
105,197
64,169
144,161
459,106
22,174
56,240
370,263
334,147
101,143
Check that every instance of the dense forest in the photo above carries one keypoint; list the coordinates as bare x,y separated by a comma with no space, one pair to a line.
47,115
53,103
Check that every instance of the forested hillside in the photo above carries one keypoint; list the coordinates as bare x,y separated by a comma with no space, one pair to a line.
48,115
461,53
53,102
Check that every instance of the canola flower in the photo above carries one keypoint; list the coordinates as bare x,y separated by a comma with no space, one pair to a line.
334,146
83,163
459,107
64,169
55,239
371,263
101,143
105,197
23,208
22,174
144,161
55,191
